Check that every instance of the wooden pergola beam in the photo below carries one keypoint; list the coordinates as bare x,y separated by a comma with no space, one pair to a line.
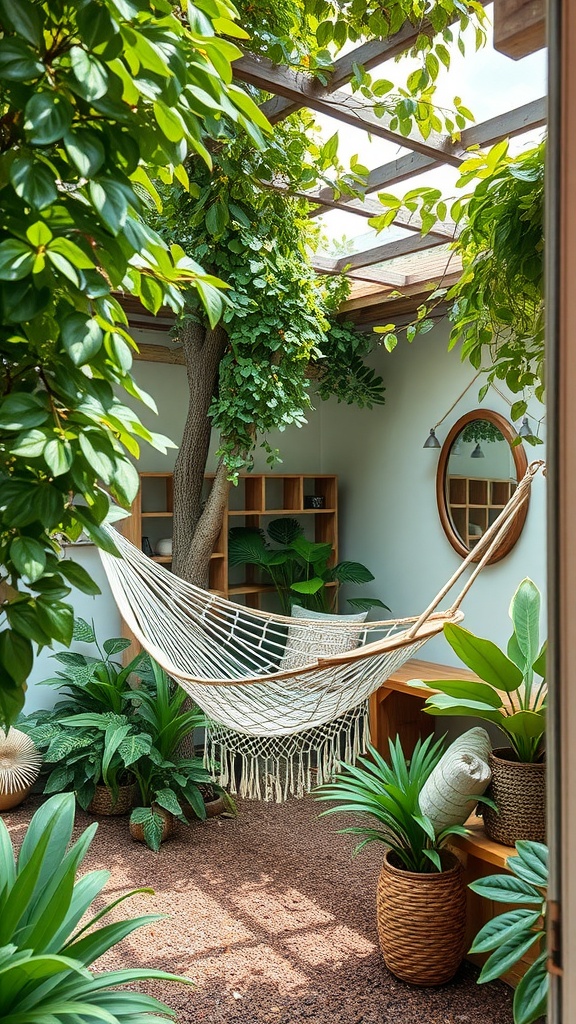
522,119
390,251
330,265
368,55
264,74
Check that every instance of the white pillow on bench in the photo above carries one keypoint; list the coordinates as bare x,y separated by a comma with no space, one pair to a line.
450,793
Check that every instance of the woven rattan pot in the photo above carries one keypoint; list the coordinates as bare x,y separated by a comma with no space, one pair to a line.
213,809
103,802
422,921
519,792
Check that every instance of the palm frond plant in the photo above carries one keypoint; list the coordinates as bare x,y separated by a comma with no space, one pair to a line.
421,885
509,936
45,954
300,570
388,794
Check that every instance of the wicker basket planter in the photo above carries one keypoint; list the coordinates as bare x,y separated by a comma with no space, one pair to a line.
519,792
103,802
422,921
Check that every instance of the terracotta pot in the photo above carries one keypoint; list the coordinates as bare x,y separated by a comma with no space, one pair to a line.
519,792
13,798
169,825
103,803
213,809
422,921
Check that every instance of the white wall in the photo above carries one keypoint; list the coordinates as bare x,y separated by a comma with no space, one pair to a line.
388,516
388,496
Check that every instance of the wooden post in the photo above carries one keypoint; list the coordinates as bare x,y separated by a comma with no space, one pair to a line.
519,27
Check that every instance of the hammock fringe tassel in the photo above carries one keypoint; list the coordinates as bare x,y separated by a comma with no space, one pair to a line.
276,768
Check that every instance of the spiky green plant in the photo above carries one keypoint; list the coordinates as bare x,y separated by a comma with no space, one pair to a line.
45,955
389,794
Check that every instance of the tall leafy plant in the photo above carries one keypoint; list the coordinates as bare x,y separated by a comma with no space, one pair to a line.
97,97
301,570
45,952
512,691
509,936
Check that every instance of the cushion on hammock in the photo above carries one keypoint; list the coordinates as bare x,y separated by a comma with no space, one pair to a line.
306,643
450,792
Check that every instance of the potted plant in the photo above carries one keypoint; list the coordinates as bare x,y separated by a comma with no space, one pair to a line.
92,754
299,569
170,784
512,695
421,897
509,936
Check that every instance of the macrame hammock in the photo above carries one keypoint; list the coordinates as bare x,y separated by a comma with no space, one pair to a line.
283,722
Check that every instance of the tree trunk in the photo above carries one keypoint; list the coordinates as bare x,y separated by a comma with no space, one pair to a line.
196,528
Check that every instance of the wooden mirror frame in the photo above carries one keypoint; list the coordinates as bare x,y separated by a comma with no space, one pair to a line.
520,463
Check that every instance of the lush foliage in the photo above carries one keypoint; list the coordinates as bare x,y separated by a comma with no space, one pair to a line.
512,934
301,570
496,306
95,683
165,777
83,751
45,955
279,316
97,96
389,794
509,695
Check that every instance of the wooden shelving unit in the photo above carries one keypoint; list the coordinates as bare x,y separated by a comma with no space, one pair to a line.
257,499
474,503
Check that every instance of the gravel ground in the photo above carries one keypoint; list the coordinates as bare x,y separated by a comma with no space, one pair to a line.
274,922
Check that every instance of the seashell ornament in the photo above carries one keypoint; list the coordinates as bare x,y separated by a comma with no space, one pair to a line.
19,767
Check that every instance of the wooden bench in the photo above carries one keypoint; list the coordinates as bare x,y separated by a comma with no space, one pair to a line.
396,709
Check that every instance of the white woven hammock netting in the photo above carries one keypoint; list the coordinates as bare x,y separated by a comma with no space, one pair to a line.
288,725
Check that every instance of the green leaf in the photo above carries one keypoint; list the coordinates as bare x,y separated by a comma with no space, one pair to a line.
58,456
16,260
484,658
84,632
48,116
352,572
525,614
116,645
16,654
76,574
82,337
509,953
22,617
504,927
464,689
29,557
531,995
85,150
56,619
531,862
90,73
506,889
19,410
311,586
33,182
24,18
109,201
18,62
525,723
30,444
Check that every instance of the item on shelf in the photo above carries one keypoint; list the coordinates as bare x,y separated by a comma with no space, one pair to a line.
147,547
164,546
314,501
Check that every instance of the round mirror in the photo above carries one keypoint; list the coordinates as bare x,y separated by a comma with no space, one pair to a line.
478,471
